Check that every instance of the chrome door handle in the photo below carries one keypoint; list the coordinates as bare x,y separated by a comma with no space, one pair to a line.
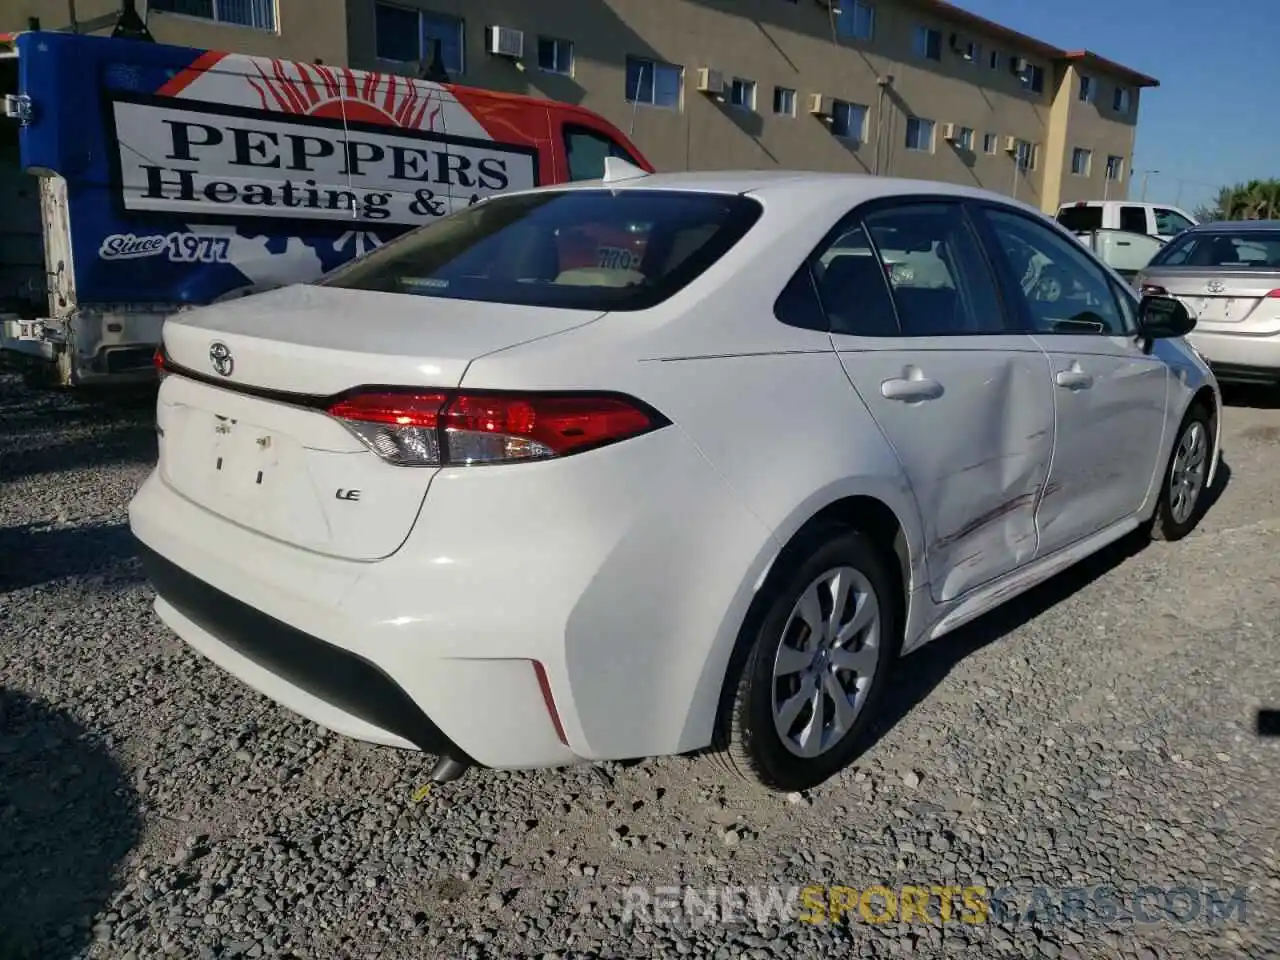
901,388
1074,379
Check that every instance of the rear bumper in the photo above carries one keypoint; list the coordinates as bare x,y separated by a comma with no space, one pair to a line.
611,589
350,684
1240,357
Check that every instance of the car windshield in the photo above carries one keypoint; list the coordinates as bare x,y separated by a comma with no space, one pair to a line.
577,249
1080,219
1242,250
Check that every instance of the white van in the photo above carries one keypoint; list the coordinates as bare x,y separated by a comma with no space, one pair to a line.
1153,219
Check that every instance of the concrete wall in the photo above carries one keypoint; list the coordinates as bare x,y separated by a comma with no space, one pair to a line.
305,29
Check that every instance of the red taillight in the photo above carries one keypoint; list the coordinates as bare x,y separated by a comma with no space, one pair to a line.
433,428
1154,290
1274,294
160,361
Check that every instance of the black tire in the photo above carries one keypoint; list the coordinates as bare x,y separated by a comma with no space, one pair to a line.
1165,524
746,736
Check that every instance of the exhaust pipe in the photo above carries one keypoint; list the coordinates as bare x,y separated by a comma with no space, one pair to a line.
447,769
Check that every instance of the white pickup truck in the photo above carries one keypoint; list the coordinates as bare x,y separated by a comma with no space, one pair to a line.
1153,219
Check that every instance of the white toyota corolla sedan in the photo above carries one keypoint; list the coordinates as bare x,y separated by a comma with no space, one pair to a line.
666,462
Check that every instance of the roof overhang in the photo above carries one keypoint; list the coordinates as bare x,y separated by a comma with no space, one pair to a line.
1031,45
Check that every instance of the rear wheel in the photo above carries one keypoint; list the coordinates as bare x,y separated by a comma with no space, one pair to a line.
817,661
1183,494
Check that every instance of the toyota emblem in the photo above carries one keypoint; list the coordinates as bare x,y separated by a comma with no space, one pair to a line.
220,357
1215,286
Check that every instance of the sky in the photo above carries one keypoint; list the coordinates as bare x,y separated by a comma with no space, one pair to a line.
1213,121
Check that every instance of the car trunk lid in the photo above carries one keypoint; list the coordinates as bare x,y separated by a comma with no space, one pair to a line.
1217,296
247,436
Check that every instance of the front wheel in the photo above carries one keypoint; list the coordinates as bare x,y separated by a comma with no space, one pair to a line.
817,663
1183,494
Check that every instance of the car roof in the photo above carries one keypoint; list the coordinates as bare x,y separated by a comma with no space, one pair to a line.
1235,226
770,185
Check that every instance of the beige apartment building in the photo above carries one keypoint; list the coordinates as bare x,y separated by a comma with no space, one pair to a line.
915,88
293,29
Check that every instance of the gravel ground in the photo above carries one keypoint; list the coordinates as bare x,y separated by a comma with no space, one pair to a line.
1098,732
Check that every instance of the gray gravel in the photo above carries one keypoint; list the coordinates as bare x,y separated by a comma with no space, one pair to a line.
1098,732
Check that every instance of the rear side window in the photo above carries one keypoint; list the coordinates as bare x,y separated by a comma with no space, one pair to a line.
937,273
574,249
1081,219
586,151
1256,249
1133,219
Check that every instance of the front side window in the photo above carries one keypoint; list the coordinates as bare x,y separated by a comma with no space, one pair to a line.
409,36
919,134
653,82
1059,287
598,250
586,151
1170,223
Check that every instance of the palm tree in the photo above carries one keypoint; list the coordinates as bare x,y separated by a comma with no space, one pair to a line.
1255,200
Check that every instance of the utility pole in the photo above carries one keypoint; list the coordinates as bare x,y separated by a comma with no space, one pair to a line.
1145,174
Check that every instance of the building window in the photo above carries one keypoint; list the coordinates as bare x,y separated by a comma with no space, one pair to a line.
1088,89
1025,155
964,138
654,83
973,52
990,142
857,19
1034,78
243,13
1081,161
994,60
919,134
1120,101
742,93
849,120
406,36
784,101
1115,166
928,43
555,56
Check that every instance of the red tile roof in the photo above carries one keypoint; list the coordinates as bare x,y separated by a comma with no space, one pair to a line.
1031,45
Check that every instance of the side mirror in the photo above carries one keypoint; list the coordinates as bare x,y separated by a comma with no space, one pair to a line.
1163,318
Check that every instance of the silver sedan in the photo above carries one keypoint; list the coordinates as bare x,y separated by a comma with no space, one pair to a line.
1228,275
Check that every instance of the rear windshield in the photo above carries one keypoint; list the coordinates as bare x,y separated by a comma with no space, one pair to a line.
1221,248
1081,219
577,249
